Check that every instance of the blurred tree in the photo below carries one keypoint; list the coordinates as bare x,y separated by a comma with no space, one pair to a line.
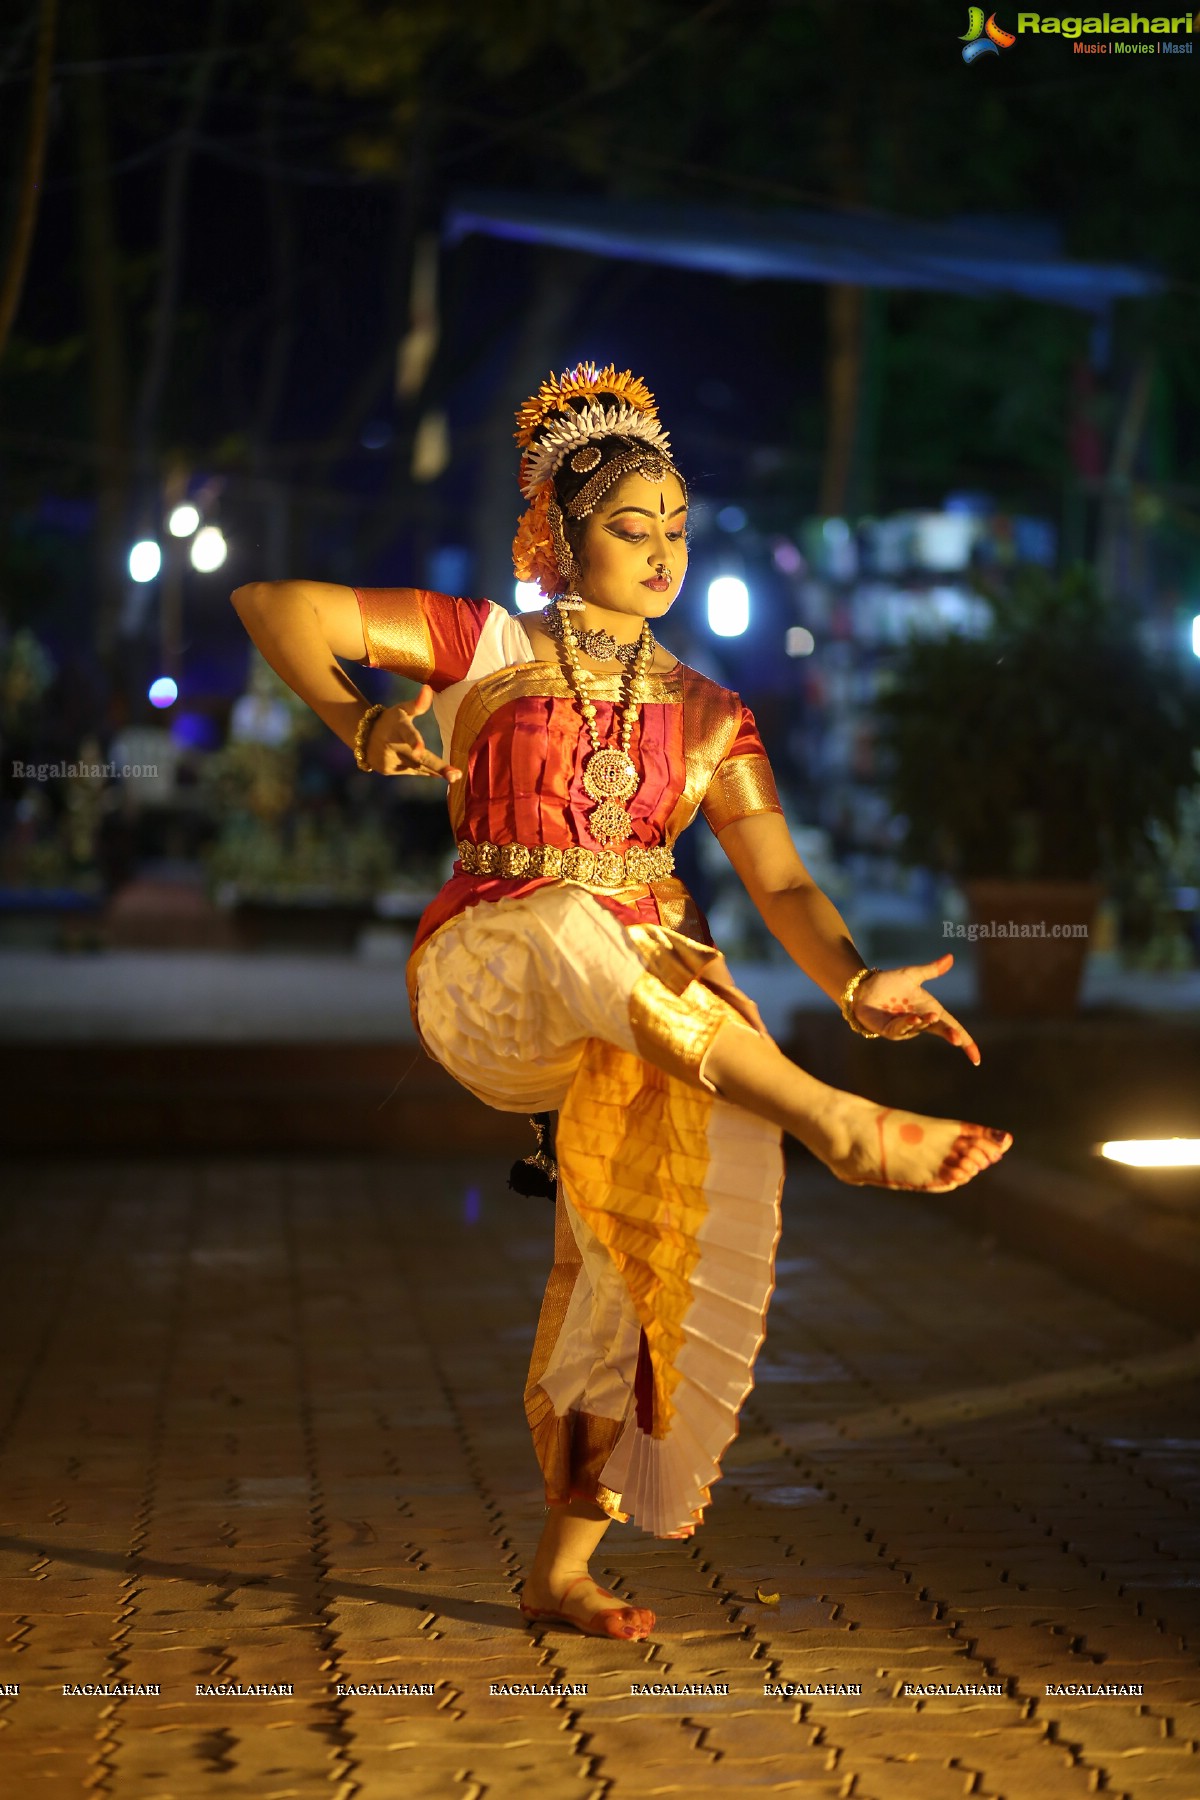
98,264
12,280
240,193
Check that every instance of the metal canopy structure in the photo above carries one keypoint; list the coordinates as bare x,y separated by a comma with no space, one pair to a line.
981,257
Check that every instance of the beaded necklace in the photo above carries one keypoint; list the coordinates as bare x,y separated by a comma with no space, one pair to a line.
610,775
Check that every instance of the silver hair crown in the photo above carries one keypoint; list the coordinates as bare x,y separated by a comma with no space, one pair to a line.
573,428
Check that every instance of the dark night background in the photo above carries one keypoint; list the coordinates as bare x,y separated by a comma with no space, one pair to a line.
244,288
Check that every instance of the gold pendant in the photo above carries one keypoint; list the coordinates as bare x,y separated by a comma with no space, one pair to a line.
610,774
610,823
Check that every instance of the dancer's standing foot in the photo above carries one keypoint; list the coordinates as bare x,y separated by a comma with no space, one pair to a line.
560,1588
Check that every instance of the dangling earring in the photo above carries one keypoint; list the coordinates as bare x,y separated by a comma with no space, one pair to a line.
563,559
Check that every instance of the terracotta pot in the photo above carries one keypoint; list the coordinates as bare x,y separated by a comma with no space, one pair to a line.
1033,971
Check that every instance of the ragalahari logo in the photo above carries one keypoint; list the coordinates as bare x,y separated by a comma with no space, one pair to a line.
982,39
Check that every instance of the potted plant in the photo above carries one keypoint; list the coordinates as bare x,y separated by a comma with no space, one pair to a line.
1033,762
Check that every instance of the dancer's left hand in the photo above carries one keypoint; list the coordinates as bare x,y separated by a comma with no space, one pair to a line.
895,1004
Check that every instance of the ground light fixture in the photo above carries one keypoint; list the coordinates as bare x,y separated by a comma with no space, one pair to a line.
529,596
145,560
162,692
209,549
728,606
1154,1153
183,520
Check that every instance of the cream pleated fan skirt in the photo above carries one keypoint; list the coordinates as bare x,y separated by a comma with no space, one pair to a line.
668,1203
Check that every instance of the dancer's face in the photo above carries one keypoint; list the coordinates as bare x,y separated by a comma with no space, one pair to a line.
634,552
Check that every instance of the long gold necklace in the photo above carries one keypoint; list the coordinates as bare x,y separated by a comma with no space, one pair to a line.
610,774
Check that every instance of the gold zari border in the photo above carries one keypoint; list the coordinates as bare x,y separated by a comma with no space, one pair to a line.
740,787
396,632
672,1033
711,716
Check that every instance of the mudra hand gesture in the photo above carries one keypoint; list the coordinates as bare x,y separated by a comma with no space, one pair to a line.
394,746
894,1003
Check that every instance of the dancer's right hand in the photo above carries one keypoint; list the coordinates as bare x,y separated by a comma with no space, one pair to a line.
395,746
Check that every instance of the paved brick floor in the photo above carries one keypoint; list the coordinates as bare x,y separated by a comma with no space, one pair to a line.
261,1425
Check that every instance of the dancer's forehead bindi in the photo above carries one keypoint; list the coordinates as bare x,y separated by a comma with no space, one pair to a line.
649,498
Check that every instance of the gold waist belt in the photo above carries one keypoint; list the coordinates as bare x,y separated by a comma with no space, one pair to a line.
592,868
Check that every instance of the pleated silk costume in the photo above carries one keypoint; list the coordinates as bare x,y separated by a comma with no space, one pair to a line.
558,975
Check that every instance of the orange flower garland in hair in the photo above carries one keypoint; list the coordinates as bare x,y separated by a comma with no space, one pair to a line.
548,425
533,548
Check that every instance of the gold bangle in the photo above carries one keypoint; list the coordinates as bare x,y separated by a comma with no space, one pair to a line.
362,734
847,1002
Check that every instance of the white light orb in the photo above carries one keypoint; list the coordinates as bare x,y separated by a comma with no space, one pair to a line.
799,641
209,549
728,606
163,692
145,560
1196,635
942,541
529,596
1154,1153
183,520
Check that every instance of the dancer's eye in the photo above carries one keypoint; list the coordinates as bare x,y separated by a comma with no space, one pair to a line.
639,537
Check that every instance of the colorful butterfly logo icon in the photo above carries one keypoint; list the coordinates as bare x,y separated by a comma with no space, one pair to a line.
983,40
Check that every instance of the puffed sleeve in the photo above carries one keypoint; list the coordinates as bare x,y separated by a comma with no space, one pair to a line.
426,636
742,783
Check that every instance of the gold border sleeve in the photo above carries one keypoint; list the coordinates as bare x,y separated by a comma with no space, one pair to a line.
396,631
741,786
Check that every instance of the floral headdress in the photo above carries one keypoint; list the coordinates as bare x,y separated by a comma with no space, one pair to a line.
563,423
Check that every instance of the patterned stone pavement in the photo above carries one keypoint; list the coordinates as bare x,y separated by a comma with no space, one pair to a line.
262,1428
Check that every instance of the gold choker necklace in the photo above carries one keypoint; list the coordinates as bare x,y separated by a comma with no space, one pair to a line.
610,774
601,646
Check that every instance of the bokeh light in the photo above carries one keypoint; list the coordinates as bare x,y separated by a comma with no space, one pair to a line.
728,606
209,549
162,692
1154,1153
183,520
145,560
529,596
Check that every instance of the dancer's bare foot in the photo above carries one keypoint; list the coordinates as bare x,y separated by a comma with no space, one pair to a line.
869,1145
580,1601
862,1142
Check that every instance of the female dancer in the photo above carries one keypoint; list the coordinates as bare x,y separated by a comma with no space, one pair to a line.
564,968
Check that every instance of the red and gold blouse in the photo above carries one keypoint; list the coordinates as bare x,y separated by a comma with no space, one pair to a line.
511,723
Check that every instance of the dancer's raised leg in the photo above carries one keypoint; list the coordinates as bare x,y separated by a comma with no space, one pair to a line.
863,1143
560,1584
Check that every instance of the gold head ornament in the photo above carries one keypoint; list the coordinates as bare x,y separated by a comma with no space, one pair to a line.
565,419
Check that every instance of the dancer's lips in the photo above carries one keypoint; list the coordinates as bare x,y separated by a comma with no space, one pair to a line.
658,584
